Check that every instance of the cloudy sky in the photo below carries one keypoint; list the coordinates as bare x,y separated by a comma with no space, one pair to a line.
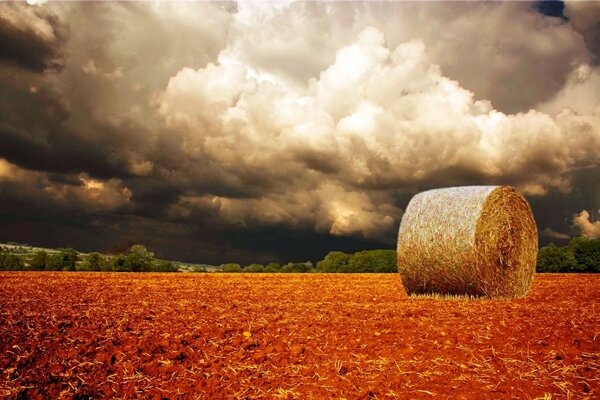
216,132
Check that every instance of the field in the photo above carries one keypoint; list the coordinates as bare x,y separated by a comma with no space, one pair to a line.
103,335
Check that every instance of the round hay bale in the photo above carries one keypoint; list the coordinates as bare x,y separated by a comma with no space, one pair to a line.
470,240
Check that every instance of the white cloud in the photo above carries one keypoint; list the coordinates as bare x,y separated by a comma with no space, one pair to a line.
375,118
554,234
586,227
581,93
515,68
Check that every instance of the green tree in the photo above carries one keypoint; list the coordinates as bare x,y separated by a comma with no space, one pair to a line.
164,266
12,262
555,259
231,267
293,267
39,261
309,267
287,268
586,253
377,261
119,264
139,259
93,262
254,268
55,262
272,267
335,261
66,260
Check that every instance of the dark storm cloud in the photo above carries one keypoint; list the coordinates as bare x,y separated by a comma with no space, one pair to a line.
258,132
585,19
36,134
30,37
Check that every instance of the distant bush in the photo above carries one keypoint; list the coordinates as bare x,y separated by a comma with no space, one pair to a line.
231,267
580,255
63,260
39,261
586,252
93,262
54,262
272,267
378,261
293,267
554,259
254,268
164,266
118,263
334,261
10,261
139,259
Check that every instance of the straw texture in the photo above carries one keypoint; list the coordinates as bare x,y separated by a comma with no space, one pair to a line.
470,240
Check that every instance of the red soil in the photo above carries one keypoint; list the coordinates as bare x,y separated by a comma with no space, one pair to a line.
100,335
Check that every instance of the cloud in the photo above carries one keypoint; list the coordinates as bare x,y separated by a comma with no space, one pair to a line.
581,92
94,116
381,118
31,37
232,128
585,18
81,193
586,227
554,234
515,69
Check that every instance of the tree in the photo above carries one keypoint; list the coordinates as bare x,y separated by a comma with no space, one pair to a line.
377,261
54,263
293,267
39,261
66,260
254,268
286,269
554,259
93,262
335,261
309,266
119,264
11,262
139,259
586,253
164,266
272,267
231,267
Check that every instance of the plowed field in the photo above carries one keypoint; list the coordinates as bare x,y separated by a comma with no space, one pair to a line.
211,336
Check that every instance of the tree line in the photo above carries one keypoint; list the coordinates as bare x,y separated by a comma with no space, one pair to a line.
137,259
376,261
274,267
580,255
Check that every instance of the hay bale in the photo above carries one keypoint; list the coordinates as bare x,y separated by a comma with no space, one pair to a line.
470,240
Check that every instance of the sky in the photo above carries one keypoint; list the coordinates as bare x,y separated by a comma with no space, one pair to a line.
257,132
